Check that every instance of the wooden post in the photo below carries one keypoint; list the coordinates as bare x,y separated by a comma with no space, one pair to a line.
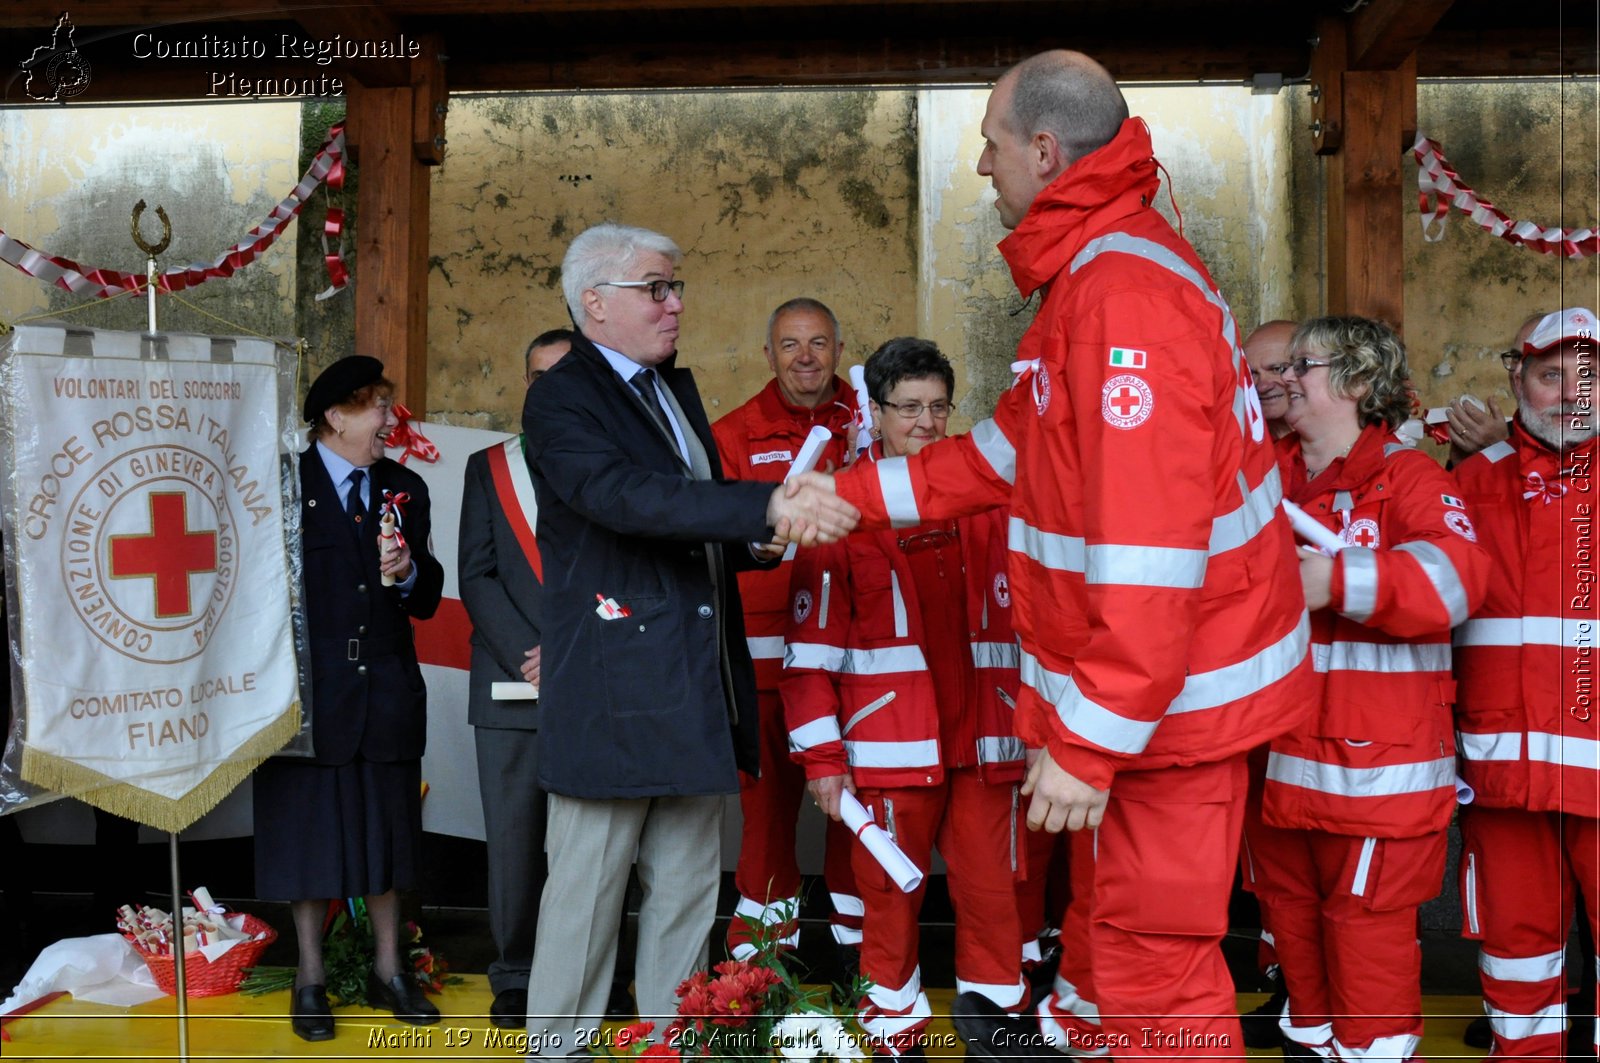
1365,114
391,267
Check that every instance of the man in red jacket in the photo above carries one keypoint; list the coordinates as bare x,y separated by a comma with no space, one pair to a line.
759,441
1155,588
1526,722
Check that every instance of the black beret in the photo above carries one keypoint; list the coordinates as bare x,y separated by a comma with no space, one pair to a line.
339,381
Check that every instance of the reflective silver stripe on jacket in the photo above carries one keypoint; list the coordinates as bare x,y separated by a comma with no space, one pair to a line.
1539,968
1237,527
810,735
1501,745
995,654
880,661
1389,781
1441,572
1567,751
765,647
1207,690
1498,451
1084,717
1360,582
1109,563
899,498
1525,631
1381,656
892,754
996,449
998,750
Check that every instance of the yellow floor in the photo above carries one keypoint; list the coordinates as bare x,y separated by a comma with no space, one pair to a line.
238,1028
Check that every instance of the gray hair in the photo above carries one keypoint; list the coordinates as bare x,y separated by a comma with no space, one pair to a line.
607,252
1069,96
1362,354
804,302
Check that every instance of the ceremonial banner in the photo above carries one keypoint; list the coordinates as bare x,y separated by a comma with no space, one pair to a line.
149,526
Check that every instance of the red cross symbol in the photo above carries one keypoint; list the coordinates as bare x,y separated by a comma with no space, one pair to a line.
1365,537
1126,401
169,552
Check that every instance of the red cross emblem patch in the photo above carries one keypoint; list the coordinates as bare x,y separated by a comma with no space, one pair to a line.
1363,532
1126,401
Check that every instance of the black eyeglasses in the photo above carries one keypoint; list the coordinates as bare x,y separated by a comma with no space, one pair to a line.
912,410
1299,365
1511,360
658,289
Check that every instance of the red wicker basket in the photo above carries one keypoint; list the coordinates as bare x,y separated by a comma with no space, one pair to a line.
202,977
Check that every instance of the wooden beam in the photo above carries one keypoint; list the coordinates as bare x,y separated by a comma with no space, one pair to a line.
1365,248
391,239
362,24
1385,32
429,101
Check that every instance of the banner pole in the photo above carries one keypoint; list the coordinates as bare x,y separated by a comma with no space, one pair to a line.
178,959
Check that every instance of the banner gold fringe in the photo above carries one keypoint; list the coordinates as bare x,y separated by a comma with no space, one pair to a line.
71,779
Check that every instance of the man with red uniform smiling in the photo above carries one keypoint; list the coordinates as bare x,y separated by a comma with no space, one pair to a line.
759,441
1525,712
1162,624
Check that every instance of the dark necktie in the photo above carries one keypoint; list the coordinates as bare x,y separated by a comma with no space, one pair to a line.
352,501
644,382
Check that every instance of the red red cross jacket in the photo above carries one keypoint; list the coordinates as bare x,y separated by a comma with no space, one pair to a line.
856,686
759,441
1526,661
1376,759
1160,620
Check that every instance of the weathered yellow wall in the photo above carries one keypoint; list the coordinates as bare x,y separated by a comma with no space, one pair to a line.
770,196
1231,171
1531,148
69,177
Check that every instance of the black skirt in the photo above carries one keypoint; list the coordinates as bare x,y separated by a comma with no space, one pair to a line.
328,831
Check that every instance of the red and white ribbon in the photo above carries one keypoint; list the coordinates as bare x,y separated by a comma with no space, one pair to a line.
1539,487
1439,188
326,168
406,436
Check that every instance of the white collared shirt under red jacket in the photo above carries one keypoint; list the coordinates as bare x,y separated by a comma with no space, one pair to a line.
1377,758
1526,661
759,441
856,685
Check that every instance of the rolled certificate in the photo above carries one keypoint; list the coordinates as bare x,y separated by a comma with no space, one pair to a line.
879,844
858,379
387,543
810,453
1320,538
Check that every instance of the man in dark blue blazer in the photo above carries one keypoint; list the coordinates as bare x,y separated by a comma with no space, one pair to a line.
647,692
498,573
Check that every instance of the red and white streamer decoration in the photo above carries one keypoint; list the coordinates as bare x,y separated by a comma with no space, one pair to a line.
1439,188
409,439
326,168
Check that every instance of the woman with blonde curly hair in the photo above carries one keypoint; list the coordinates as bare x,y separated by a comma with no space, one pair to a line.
1357,798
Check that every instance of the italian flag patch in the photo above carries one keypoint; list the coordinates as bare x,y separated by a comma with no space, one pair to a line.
1452,500
1127,358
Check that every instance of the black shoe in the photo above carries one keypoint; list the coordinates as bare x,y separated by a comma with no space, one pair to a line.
1478,1034
1296,1050
403,997
309,1015
510,1009
1261,1029
990,1032
619,1005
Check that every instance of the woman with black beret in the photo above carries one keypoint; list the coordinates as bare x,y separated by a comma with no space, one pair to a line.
347,822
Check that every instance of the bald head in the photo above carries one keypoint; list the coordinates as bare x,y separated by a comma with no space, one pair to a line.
1069,96
1266,349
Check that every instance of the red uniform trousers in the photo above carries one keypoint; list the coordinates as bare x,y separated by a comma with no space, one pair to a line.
1344,916
1142,973
1266,945
971,823
1042,886
1521,874
767,875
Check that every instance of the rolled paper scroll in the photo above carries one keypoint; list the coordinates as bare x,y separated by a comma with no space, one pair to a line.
810,453
387,544
1321,539
858,379
882,847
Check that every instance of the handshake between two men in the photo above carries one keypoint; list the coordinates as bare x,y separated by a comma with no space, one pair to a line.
805,510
